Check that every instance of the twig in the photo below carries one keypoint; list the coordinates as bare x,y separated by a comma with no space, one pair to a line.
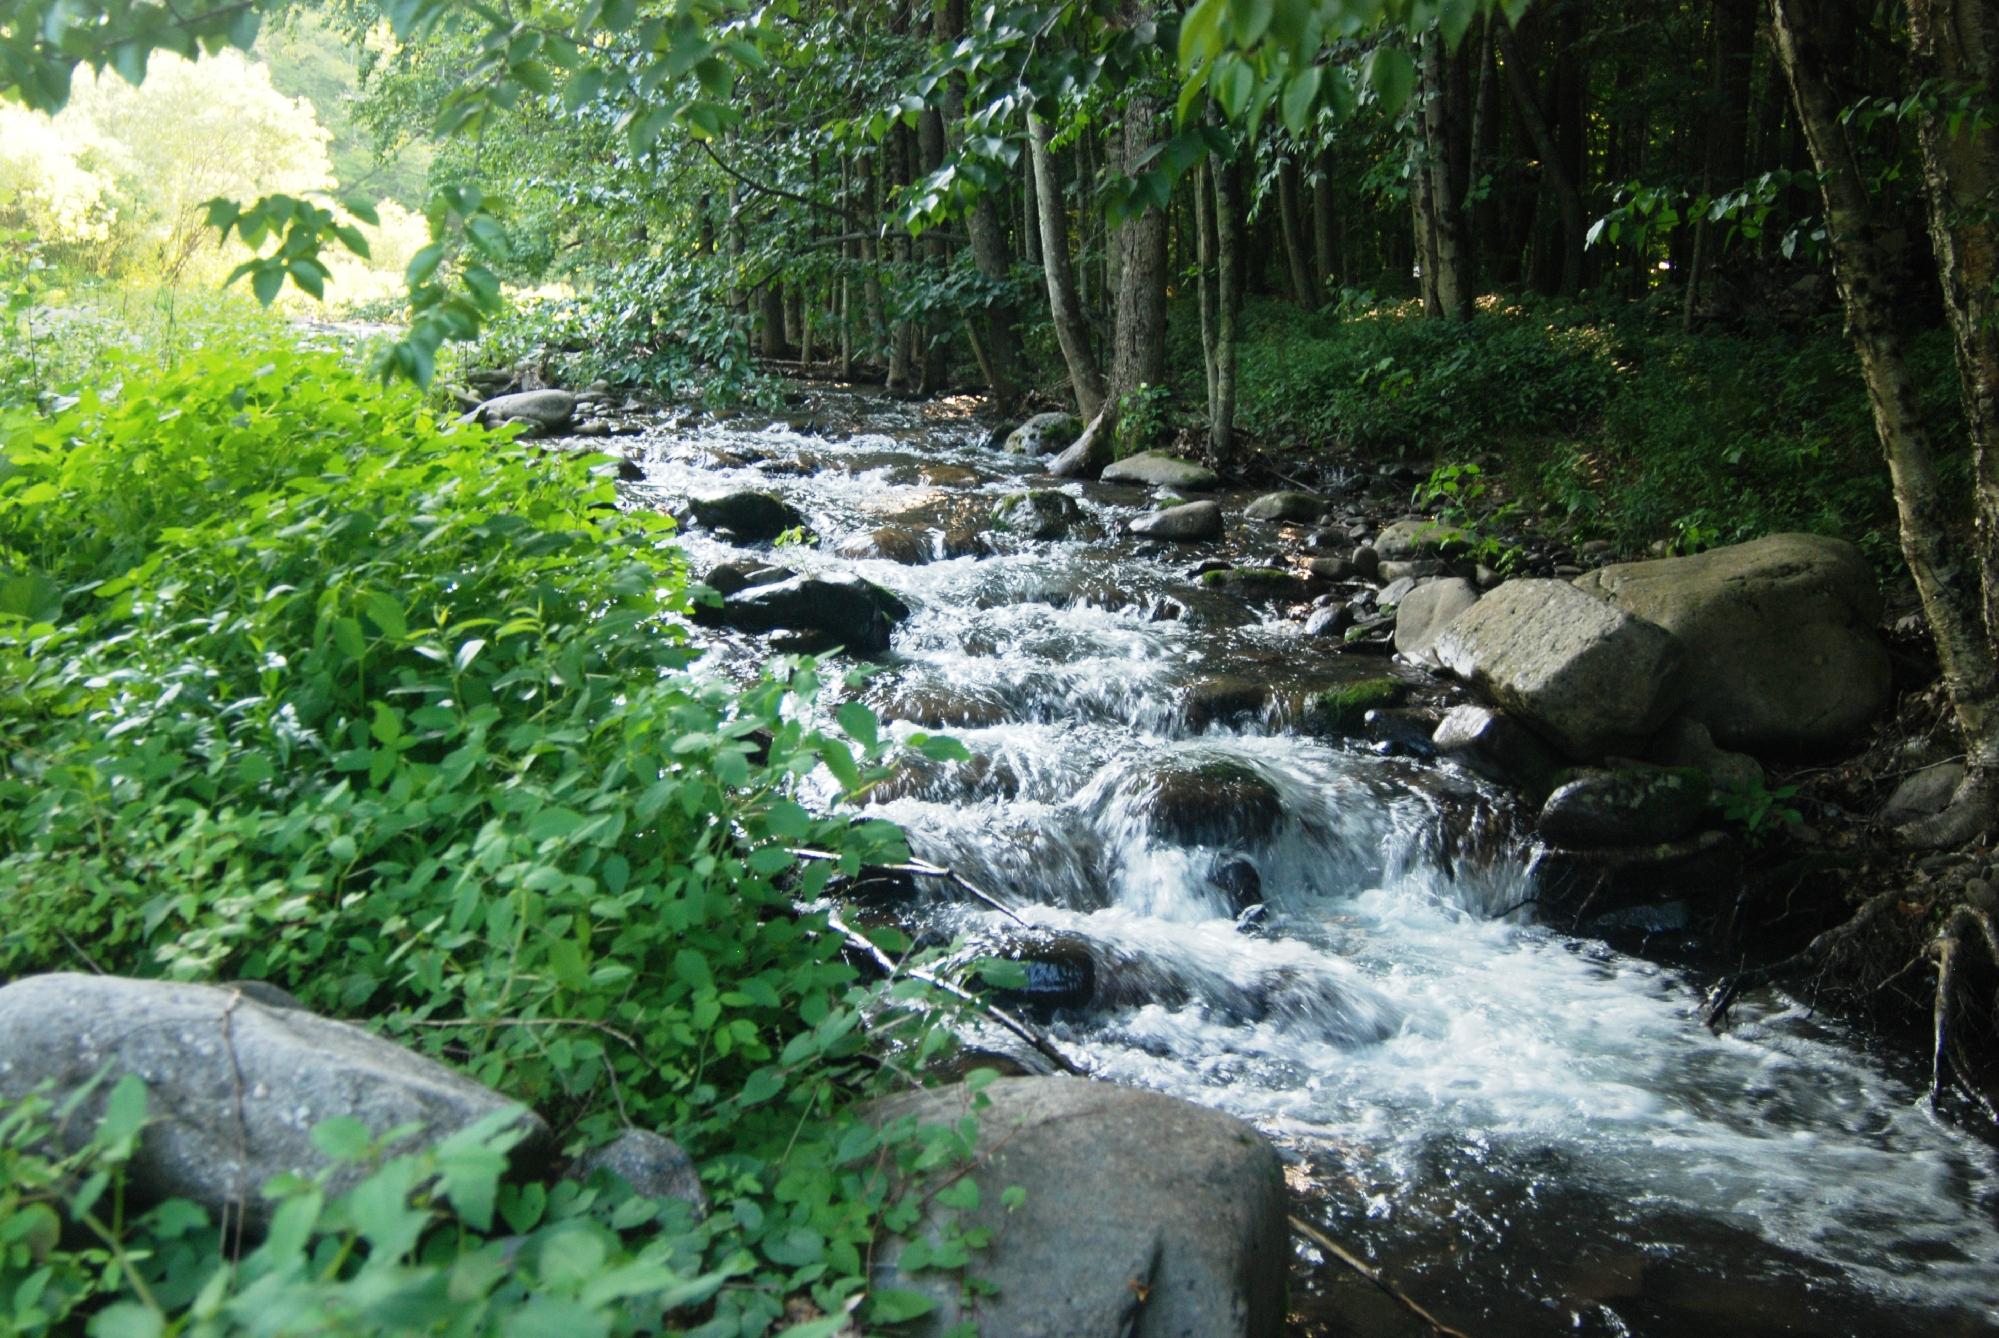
77,948
924,869
1042,1045
1401,1298
764,188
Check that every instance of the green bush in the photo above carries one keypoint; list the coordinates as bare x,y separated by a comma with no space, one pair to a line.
297,685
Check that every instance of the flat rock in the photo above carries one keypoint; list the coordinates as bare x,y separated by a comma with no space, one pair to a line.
1190,522
1158,470
234,1086
1294,507
1145,1216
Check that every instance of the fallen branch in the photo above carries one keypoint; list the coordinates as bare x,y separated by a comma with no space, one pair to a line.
1400,1297
924,869
1042,1045
1811,955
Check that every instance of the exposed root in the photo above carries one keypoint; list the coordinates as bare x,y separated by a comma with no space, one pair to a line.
1966,926
1807,958
1333,1250
1973,812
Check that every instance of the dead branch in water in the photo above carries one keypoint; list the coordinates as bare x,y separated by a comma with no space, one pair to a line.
1333,1249
1810,956
924,869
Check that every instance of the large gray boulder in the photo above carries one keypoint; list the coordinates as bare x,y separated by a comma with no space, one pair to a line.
1190,522
1782,654
1145,1216
1588,676
234,1085
1044,434
1425,612
841,610
548,410
1158,470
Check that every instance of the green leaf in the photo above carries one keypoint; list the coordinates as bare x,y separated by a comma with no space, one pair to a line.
895,1305
266,281
1392,75
1301,95
126,1319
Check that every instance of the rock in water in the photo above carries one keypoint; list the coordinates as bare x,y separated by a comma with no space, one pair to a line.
843,610
1159,470
1041,513
1782,653
746,516
1285,506
1144,1215
549,410
1497,747
1044,434
1425,612
1588,676
234,1086
1089,454
1632,806
1188,523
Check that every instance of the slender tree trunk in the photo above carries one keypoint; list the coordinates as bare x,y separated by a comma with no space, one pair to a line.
1227,182
871,282
1442,131
1423,225
1204,273
1297,252
936,360
1138,339
1732,52
1030,221
1325,227
1568,195
1065,306
1964,647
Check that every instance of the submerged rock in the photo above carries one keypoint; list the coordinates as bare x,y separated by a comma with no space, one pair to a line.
1588,676
234,1086
1143,1215
1218,802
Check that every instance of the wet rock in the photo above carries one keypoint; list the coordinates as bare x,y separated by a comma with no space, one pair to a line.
1331,621
1061,973
596,427
1497,747
1400,733
1414,538
1161,471
546,410
1225,701
1088,455
745,516
947,476
1256,583
234,1086
1424,613
842,610
1575,887
939,706
1041,513
1212,803
1239,882
1143,1215
1782,653
1191,523
1331,568
730,577
889,543
1366,562
1294,507
1588,676
1928,791
1044,434
653,1165
1344,709
1202,568
1326,541
1625,807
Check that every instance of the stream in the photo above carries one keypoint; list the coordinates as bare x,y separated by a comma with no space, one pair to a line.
1528,1131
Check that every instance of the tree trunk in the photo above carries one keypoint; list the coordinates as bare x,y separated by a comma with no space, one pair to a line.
1568,195
1065,306
1138,339
1964,648
1228,295
1442,132
1325,227
1732,53
1297,253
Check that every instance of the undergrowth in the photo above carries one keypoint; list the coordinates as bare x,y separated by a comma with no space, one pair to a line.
297,685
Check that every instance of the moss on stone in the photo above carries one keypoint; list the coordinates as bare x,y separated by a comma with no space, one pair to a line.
1346,706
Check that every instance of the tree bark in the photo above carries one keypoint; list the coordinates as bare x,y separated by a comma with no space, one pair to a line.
1442,130
1297,252
1228,293
1964,648
1568,195
1065,306
1732,51
1138,337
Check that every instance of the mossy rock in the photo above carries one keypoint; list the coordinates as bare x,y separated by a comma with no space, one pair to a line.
1342,710
1254,582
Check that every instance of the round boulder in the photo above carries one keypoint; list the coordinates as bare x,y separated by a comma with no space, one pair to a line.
1044,434
1633,806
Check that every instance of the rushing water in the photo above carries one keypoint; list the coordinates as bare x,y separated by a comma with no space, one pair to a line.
1529,1131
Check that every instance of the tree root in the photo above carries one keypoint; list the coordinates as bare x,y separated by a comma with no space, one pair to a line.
1333,1249
1972,813
1965,926
1813,954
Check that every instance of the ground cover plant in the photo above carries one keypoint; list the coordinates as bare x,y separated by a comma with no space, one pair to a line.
297,685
